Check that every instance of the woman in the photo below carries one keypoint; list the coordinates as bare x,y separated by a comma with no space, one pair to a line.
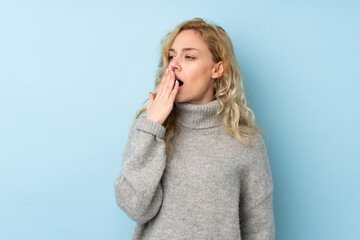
196,167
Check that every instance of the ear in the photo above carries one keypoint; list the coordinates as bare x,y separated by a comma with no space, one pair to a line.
218,70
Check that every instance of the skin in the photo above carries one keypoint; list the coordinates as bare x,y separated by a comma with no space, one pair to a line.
195,68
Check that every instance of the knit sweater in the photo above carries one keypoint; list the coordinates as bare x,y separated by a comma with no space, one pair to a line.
215,187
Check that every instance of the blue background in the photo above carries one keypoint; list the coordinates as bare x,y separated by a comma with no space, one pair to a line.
73,74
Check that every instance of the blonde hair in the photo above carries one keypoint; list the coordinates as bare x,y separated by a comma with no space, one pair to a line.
238,119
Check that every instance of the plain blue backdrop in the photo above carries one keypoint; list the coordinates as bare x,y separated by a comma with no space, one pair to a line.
73,74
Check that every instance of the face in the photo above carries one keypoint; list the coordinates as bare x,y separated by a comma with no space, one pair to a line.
194,67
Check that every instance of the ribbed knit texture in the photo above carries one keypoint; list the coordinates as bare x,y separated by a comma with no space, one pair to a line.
215,187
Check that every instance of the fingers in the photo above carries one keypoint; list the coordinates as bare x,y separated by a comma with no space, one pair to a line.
151,97
171,80
173,88
165,95
174,91
162,83
167,83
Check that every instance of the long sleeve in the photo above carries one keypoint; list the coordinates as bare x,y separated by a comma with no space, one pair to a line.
138,188
256,188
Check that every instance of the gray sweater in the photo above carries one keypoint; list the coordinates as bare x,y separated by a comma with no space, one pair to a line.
215,188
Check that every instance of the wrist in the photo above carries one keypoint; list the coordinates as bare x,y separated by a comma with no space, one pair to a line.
148,118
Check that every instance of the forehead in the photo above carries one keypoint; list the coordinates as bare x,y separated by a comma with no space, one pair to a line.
189,39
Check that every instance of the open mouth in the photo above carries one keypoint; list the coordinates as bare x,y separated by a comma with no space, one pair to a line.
180,82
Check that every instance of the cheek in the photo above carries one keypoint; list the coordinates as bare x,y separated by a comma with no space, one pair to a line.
197,73
198,85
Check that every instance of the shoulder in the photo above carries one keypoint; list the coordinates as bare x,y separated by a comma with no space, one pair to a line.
245,153
256,141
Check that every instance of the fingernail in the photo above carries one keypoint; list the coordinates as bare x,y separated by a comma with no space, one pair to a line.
167,70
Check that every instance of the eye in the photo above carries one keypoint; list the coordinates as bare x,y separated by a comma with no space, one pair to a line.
188,57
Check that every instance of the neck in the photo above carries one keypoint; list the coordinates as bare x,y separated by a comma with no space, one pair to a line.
197,116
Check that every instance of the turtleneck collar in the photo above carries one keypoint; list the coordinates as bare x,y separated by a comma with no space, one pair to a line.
197,116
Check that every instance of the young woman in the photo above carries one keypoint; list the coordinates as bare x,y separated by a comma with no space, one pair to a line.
196,166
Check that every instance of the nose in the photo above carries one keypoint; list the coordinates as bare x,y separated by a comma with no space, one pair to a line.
174,64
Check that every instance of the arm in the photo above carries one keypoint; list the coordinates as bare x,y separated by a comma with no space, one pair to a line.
138,189
256,187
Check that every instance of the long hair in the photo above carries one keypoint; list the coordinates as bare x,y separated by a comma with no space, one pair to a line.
237,119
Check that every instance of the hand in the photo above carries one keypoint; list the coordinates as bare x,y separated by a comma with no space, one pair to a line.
158,109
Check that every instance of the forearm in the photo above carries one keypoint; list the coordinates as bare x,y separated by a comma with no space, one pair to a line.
138,189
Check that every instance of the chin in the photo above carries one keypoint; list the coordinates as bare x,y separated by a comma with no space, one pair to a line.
178,100
182,99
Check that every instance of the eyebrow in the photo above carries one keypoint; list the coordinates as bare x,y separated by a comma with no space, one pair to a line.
184,49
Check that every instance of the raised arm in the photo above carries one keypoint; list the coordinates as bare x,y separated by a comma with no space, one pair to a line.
138,189
256,188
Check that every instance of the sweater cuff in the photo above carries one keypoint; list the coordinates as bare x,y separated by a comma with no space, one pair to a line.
151,127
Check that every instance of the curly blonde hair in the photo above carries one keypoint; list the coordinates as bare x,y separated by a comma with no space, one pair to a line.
238,119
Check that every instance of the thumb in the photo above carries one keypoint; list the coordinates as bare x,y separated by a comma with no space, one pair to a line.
151,98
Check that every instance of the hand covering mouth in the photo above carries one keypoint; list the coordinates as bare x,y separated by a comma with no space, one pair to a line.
180,82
